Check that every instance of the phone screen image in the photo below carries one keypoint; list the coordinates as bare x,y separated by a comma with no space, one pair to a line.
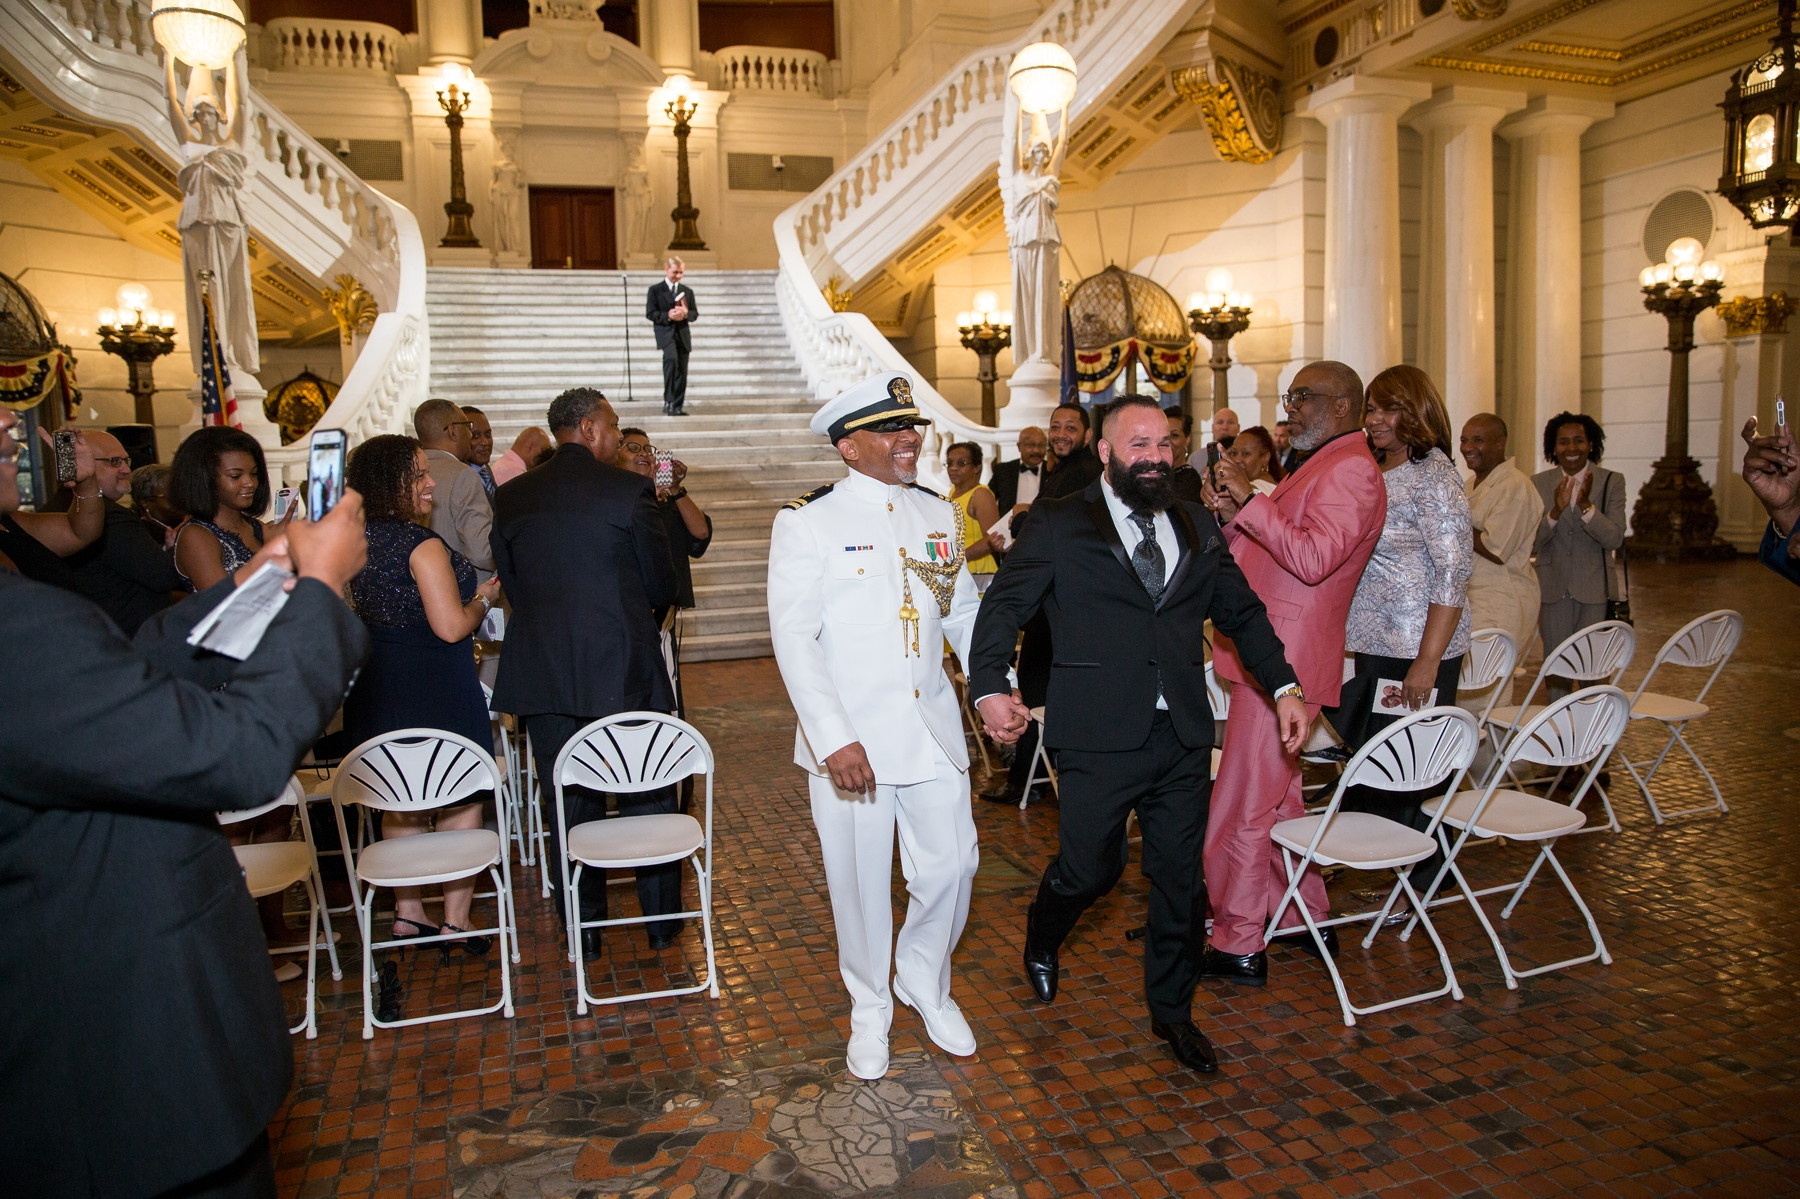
665,470
284,498
325,472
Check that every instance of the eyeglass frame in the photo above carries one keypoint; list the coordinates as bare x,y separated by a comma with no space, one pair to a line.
637,447
116,461
1290,404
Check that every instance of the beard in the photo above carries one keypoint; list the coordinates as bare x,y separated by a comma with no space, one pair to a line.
906,475
1309,437
1145,487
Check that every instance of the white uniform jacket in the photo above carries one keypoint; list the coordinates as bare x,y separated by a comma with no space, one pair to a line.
835,593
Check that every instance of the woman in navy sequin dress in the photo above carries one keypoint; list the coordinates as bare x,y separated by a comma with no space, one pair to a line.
421,604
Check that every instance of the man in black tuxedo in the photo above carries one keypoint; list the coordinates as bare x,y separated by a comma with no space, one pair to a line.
1015,483
1076,467
1128,576
583,555
670,307
145,1044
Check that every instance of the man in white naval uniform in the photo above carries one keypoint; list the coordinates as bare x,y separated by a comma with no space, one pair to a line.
866,581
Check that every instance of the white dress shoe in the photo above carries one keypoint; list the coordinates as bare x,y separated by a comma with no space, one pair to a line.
948,1030
867,1056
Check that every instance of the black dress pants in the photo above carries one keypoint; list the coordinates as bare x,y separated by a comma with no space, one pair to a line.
251,1176
675,358
1169,786
1358,723
658,887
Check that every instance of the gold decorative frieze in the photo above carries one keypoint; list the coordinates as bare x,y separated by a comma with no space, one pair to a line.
1514,70
94,189
125,178
152,163
351,306
836,296
1649,45
1478,10
9,85
1241,106
171,236
1541,19
1747,315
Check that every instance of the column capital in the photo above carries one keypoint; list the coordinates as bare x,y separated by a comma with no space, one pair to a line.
1360,95
1462,107
1555,114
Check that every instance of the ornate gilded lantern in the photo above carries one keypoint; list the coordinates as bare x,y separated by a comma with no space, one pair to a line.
298,404
1762,134
1118,318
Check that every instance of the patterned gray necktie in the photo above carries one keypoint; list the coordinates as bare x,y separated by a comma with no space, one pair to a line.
1147,558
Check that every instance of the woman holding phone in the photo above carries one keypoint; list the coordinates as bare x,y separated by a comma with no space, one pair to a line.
420,603
221,483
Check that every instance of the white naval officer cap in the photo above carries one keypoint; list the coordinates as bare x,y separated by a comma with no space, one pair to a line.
880,404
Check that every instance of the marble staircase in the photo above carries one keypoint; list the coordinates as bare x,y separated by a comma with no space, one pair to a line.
508,341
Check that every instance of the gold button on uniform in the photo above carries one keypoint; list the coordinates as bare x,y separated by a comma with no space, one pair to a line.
915,693
859,570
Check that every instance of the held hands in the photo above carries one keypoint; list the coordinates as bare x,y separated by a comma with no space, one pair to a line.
1772,469
850,770
1291,719
1004,717
679,312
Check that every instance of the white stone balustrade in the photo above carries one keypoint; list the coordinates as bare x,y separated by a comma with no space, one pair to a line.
770,69
315,44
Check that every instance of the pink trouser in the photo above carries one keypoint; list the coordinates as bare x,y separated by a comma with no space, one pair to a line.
1258,786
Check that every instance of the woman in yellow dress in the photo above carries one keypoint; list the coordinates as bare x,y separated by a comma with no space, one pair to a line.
978,504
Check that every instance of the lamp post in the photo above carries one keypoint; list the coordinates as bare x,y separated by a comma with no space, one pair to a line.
1762,122
987,332
680,109
455,101
1675,517
1219,314
140,335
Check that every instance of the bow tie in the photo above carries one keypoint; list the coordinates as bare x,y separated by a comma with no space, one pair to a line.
1028,470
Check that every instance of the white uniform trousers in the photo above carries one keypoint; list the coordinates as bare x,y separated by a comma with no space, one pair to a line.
937,854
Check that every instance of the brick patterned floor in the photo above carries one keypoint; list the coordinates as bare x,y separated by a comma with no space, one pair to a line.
1673,1071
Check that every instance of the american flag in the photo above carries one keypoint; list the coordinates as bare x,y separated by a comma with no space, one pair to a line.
218,404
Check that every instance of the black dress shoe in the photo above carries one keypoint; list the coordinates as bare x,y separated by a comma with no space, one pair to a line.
1303,941
1041,971
1187,1045
661,940
1249,969
1003,795
590,944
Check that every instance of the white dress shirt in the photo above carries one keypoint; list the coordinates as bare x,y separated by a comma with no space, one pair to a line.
1030,479
1129,534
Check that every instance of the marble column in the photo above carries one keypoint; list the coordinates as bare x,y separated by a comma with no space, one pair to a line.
450,30
1543,294
1456,285
671,34
1361,115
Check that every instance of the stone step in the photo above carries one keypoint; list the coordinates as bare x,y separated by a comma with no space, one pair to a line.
705,648
745,571
739,594
747,618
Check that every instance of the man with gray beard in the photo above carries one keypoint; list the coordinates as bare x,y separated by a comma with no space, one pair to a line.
1128,576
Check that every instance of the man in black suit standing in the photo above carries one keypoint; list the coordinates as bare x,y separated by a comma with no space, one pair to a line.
145,1044
583,555
1128,576
1015,482
670,307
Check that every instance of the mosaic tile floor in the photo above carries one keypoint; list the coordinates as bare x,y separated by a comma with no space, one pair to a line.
1673,1071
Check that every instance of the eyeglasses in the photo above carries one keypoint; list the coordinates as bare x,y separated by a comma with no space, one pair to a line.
119,462
638,447
1294,400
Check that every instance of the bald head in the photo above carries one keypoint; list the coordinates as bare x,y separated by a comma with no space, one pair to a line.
1225,426
1483,443
1327,400
112,467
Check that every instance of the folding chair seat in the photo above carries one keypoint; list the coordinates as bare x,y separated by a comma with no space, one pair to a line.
1594,656
1578,730
270,868
1705,642
1418,751
418,770
624,754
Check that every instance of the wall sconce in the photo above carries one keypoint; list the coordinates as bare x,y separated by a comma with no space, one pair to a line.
139,334
987,330
1219,314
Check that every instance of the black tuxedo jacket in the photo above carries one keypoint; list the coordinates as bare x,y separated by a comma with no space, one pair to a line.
1112,642
657,303
584,557
144,1040
1005,483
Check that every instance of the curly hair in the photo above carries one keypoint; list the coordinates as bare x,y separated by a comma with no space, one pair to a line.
1595,434
384,470
1409,392
194,473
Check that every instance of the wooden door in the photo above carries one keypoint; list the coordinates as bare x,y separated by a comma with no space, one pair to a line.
572,228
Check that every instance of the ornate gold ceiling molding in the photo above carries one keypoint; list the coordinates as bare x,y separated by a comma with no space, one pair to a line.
1747,315
1533,23
1313,14
1513,70
1478,10
1241,106
1649,45
351,306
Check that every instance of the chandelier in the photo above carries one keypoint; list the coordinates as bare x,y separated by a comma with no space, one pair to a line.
1762,134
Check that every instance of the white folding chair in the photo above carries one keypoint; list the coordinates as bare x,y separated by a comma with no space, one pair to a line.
1039,758
1489,662
1578,730
1706,641
624,754
527,829
1415,752
1595,656
417,770
270,868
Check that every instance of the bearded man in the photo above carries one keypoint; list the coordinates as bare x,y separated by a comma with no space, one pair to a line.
1127,576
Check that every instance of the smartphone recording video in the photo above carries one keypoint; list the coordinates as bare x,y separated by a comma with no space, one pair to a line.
325,472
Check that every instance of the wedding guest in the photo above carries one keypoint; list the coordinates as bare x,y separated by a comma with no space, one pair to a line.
980,510
419,600
526,449
1254,450
129,572
1772,470
1584,520
220,482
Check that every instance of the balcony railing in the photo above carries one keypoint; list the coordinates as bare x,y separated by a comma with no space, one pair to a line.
770,69
316,44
